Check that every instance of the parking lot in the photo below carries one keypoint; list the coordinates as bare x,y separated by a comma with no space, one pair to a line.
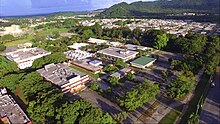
98,101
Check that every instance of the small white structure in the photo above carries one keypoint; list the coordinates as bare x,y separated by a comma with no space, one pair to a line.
77,54
97,41
135,47
116,44
77,45
25,57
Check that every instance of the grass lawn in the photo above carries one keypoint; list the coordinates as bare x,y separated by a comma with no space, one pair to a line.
45,32
20,94
26,39
194,101
85,71
172,116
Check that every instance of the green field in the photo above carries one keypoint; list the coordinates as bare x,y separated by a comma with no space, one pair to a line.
40,32
44,32
26,39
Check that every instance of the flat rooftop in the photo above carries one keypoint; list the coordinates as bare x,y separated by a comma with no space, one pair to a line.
21,54
135,47
117,52
11,110
143,60
97,41
85,65
59,74
78,45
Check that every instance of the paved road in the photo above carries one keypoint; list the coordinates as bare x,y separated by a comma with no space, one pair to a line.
98,101
211,111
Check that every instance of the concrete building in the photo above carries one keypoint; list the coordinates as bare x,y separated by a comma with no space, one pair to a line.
77,46
143,62
25,57
89,65
10,111
136,47
114,53
97,41
77,55
66,78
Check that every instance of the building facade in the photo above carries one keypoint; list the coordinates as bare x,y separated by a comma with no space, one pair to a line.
66,78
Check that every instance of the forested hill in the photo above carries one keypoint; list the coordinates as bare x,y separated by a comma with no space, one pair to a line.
161,7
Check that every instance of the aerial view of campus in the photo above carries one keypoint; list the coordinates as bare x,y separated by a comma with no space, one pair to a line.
109,62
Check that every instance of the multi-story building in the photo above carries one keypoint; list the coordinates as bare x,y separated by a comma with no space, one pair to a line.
66,78
25,57
10,111
114,53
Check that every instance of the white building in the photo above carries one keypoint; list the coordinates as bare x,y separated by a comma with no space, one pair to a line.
25,57
97,41
114,53
66,78
78,45
77,54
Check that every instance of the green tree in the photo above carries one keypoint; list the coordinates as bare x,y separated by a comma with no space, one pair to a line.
94,86
96,115
130,76
57,57
120,63
88,33
120,117
7,66
98,30
38,63
193,119
2,47
113,81
11,81
110,68
136,97
160,41
156,38
180,87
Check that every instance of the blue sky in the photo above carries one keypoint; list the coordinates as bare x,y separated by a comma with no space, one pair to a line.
28,7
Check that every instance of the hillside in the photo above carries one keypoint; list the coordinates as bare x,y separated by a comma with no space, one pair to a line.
161,7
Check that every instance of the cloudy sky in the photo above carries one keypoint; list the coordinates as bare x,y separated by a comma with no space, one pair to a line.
28,7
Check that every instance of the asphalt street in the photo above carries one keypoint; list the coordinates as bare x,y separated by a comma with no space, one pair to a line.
211,111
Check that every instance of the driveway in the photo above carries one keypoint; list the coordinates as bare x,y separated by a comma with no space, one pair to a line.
211,111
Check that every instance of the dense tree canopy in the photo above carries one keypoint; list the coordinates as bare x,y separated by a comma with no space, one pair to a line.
180,87
110,68
55,58
113,81
2,47
156,38
7,66
138,96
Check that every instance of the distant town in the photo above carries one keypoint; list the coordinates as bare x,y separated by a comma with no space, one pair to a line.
83,69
